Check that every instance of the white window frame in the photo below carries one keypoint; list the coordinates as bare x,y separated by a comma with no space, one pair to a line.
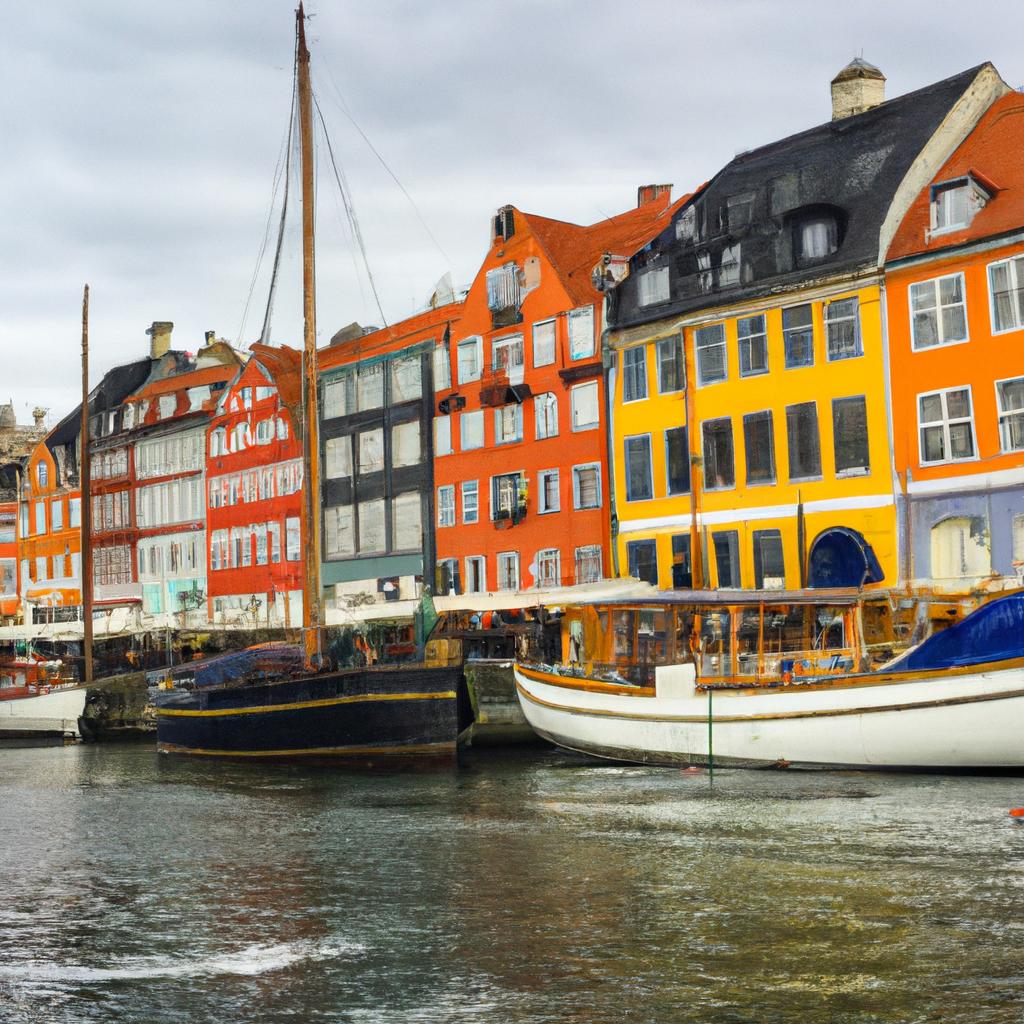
544,405
514,557
442,365
517,419
480,561
937,309
445,508
584,316
703,381
858,337
443,431
1006,415
653,286
463,417
588,551
549,558
1016,269
743,343
513,343
478,346
554,342
579,427
627,371
945,423
542,507
576,501
473,487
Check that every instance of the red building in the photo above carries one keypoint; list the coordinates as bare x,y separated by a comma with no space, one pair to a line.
520,428
254,470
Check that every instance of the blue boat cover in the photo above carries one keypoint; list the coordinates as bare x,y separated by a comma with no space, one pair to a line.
841,557
272,659
995,632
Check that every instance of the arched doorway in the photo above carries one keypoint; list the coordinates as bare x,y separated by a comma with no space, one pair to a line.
841,557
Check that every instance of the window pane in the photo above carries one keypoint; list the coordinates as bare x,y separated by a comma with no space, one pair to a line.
850,433
798,335
961,441
406,522
802,436
581,333
678,458
339,539
671,365
769,570
544,343
727,558
759,442
371,451
545,407
842,328
634,374
370,386
719,468
933,444
709,343
471,426
470,501
753,345
958,404
406,382
642,557
585,412
405,444
638,468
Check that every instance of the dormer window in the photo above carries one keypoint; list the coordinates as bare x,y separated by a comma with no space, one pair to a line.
818,238
42,475
653,286
954,204
168,405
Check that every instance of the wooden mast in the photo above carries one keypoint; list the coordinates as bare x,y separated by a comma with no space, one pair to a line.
311,434
85,478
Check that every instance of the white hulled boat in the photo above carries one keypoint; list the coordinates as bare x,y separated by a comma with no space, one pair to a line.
803,679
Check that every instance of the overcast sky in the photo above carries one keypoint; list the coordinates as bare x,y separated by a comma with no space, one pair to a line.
140,142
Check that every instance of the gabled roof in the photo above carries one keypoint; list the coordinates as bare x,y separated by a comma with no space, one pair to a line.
573,249
994,155
284,365
850,167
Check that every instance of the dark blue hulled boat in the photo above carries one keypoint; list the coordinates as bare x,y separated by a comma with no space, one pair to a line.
364,714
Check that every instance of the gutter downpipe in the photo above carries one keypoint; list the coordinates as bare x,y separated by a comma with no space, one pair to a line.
608,375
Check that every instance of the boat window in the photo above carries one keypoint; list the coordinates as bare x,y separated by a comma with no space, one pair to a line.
652,637
684,633
748,636
830,632
715,644
623,623
785,630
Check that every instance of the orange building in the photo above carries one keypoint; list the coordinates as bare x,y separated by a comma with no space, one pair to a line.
955,294
49,527
520,427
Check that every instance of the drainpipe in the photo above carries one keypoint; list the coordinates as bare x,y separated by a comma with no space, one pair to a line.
608,373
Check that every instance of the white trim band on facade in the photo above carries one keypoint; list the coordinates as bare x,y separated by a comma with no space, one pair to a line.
991,481
684,520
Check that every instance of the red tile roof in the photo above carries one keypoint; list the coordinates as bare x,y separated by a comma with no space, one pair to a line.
284,365
181,381
574,249
992,153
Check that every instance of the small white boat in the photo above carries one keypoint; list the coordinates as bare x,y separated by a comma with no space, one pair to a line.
734,679
41,712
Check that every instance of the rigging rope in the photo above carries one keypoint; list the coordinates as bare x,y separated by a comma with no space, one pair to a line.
265,333
350,211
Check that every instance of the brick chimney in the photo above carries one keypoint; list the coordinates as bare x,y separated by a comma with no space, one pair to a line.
858,87
160,338
648,193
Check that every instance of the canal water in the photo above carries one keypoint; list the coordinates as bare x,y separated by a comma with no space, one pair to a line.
526,887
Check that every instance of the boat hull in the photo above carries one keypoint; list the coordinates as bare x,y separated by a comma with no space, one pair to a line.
956,719
368,716
42,716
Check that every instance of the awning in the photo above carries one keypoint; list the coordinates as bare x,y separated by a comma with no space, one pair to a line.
841,557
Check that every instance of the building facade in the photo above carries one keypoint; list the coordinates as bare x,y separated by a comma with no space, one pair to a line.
955,296
748,362
377,395
520,456
254,477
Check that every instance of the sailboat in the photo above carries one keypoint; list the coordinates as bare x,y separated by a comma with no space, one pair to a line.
366,714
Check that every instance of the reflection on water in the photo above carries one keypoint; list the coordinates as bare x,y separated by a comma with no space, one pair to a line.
526,887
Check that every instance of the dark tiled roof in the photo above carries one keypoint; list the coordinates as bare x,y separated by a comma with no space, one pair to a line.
849,168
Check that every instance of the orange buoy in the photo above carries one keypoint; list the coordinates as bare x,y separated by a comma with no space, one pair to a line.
1017,812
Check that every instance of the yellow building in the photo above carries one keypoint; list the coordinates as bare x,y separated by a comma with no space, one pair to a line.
746,353
789,442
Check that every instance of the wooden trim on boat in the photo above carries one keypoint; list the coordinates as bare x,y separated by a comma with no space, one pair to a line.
818,713
585,683
361,698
